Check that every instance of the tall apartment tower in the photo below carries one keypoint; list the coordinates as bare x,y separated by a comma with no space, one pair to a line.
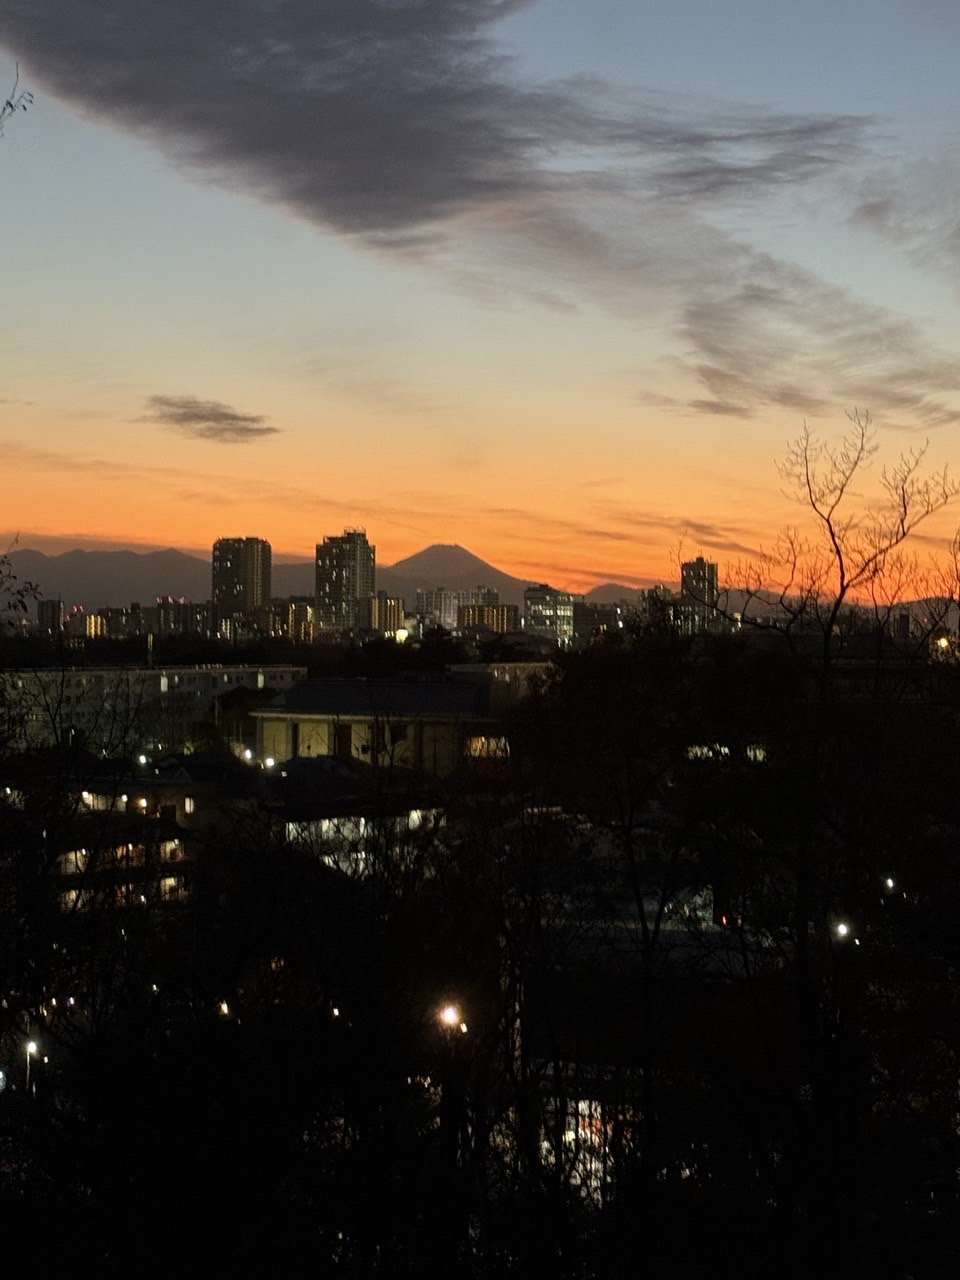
346,575
241,576
699,596
50,617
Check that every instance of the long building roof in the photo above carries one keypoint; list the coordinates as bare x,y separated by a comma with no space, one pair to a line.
372,699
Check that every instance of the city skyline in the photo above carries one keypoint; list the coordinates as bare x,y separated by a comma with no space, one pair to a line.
554,282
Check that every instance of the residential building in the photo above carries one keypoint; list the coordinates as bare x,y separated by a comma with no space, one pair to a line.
548,612
699,596
123,710
241,582
83,625
50,617
439,607
133,837
345,576
497,617
300,620
382,613
596,619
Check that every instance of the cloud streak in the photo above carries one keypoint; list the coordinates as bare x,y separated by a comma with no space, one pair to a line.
207,419
386,119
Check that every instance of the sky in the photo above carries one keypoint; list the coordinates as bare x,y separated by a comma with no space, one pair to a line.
557,282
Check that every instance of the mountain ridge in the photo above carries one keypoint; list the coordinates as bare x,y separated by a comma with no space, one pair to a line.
103,579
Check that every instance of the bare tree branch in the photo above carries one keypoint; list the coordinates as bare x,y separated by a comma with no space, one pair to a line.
854,552
17,100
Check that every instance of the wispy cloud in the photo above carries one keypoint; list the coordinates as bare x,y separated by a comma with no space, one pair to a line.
776,335
382,120
207,419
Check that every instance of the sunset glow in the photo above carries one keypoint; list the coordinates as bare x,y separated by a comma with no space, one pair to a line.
554,282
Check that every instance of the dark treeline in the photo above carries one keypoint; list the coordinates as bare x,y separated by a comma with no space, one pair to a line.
697,937
374,656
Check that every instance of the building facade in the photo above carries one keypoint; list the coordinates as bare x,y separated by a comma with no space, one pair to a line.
241,581
699,596
383,613
438,607
121,711
345,576
548,613
432,726
497,617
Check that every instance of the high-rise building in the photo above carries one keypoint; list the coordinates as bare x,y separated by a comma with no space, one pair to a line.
548,613
241,580
50,617
346,574
699,596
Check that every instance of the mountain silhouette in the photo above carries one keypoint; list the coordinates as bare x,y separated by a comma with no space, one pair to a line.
96,579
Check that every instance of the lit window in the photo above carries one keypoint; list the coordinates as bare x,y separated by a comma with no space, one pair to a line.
172,888
189,804
488,748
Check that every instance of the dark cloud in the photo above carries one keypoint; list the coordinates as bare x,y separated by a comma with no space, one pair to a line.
384,117
206,419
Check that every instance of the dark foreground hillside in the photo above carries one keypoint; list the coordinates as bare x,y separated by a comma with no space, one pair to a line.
669,987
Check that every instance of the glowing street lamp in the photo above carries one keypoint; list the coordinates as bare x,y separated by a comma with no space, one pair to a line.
31,1053
449,1017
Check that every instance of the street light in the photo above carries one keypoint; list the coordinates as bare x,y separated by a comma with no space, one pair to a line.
31,1052
449,1017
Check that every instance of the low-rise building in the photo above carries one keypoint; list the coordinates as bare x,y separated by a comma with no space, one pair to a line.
120,710
433,726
